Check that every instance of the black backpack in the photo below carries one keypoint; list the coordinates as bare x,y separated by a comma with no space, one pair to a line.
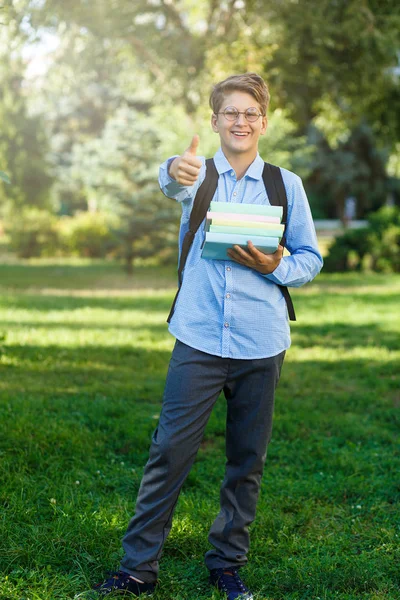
272,178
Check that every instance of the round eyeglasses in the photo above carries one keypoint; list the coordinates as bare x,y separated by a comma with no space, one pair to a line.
231,113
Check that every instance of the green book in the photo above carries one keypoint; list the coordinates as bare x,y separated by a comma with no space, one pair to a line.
249,209
273,232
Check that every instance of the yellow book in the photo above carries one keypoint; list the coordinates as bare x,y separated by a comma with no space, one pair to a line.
253,224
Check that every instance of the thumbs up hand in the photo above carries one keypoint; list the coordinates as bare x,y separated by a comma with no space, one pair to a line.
185,169
194,144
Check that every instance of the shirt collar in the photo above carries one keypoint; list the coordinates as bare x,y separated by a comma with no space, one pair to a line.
254,171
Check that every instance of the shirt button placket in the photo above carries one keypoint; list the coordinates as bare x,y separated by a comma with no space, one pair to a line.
226,329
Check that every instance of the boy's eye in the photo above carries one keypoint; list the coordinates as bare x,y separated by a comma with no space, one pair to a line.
252,112
231,112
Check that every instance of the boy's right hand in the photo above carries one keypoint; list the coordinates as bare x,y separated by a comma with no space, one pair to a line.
185,169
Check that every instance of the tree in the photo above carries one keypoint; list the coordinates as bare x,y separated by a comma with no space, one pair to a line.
354,168
160,58
118,172
335,57
22,142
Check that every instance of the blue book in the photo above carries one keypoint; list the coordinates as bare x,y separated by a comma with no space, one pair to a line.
216,244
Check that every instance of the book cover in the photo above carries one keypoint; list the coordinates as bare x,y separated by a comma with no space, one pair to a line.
246,208
240,217
216,244
272,231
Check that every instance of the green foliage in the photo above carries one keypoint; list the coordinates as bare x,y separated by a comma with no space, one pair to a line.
88,234
151,66
118,171
354,167
283,146
4,177
335,63
385,258
375,248
348,250
32,232
35,232
23,143
384,218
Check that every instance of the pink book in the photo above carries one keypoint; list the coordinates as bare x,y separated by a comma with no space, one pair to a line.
241,217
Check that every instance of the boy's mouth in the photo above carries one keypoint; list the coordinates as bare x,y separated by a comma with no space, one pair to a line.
240,134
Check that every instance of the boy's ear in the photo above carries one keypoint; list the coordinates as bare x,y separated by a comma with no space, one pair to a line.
214,125
264,125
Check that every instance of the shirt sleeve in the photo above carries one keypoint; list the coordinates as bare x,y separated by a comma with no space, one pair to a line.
305,260
172,189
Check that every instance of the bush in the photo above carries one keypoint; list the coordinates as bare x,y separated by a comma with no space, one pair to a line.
385,257
32,232
88,234
384,218
376,247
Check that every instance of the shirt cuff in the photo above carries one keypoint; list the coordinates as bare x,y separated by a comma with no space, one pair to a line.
279,274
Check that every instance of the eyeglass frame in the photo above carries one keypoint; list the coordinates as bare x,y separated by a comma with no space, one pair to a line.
240,112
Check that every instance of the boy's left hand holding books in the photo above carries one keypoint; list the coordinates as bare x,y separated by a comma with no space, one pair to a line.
253,258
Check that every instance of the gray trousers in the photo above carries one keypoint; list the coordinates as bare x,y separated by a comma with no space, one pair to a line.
194,382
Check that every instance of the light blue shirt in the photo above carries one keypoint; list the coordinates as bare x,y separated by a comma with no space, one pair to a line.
227,309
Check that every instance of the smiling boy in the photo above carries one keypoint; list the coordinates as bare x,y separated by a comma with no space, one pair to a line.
232,331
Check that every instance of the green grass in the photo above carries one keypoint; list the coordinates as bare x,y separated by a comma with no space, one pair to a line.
82,365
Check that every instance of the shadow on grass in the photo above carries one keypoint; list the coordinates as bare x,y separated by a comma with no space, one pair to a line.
336,335
344,335
156,330
84,276
354,280
94,380
309,300
66,303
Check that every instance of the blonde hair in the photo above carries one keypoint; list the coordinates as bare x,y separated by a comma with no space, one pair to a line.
251,83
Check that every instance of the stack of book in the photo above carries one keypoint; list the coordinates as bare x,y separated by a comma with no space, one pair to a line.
230,224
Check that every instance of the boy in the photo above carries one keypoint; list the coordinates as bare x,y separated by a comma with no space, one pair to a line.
232,332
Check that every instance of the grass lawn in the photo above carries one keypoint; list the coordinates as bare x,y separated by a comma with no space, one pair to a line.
83,356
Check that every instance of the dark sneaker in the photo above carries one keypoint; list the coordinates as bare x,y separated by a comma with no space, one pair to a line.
122,583
229,582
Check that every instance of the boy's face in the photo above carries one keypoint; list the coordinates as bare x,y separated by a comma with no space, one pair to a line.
240,136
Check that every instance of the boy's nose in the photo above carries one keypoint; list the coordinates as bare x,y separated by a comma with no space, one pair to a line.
241,119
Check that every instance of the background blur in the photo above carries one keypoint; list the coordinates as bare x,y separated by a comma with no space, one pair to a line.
95,95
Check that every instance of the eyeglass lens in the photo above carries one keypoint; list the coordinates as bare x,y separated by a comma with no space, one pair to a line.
231,113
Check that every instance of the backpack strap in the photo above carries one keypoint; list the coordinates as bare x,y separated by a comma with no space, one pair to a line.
201,203
273,181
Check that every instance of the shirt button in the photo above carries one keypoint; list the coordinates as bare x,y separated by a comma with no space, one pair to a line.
226,324
228,269
235,193
228,295
232,173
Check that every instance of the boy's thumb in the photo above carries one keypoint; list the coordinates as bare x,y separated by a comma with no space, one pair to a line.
194,144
